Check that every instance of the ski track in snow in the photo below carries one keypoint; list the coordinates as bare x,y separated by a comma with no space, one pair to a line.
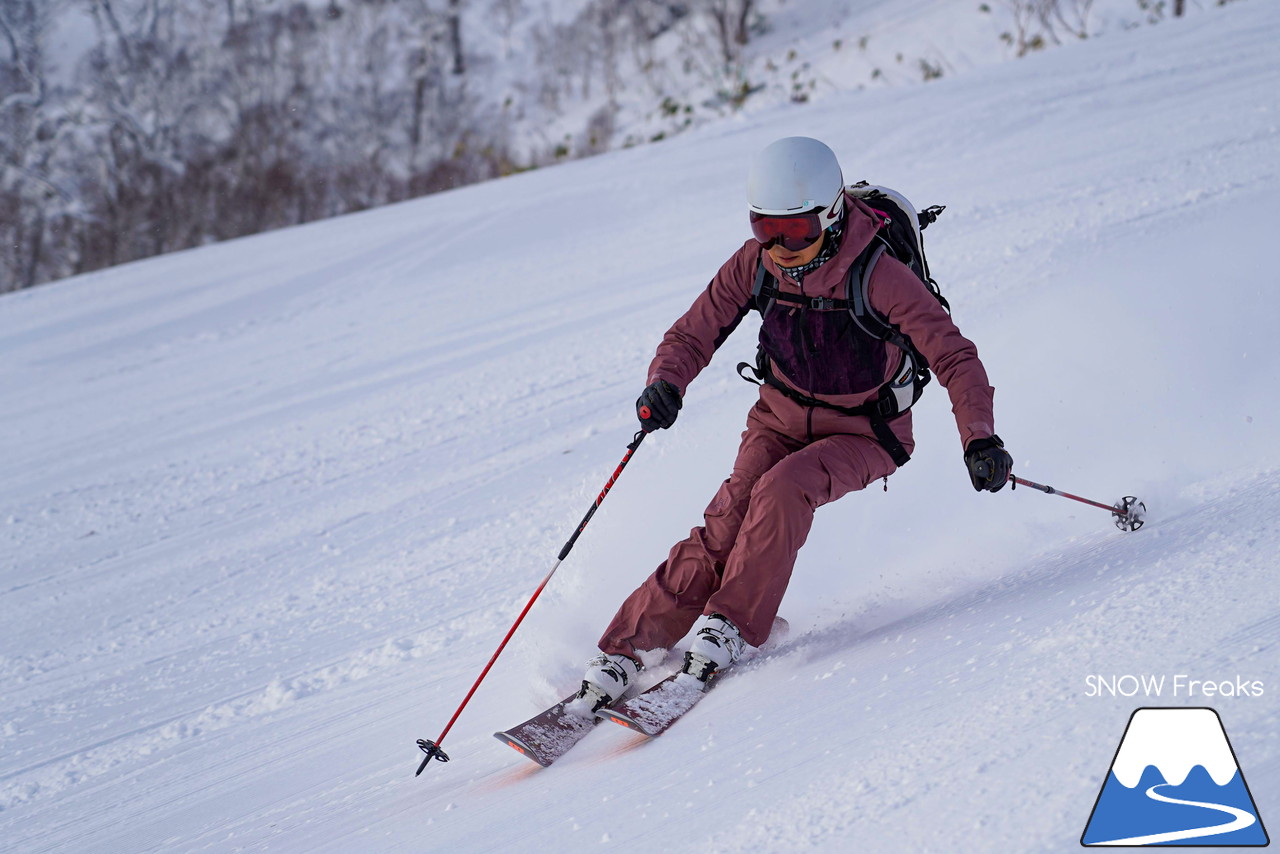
271,504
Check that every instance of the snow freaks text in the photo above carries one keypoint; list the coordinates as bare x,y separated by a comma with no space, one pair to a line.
1178,685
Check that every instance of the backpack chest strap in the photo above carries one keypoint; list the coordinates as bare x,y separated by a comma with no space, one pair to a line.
765,291
815,303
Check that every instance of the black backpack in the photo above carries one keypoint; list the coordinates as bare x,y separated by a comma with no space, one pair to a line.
902,238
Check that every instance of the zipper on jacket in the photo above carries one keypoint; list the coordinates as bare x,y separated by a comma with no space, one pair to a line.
806,346
808,349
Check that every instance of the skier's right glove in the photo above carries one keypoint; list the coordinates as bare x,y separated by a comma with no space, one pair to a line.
989,464
658,406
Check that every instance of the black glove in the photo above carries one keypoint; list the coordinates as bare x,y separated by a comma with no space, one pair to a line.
989,464
658,406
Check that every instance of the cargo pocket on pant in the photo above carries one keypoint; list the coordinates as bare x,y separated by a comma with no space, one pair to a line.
855,472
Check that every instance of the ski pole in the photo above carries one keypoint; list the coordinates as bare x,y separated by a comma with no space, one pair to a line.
432,748
1130,513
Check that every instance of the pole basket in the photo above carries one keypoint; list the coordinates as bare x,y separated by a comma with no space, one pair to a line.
433,751
1130,513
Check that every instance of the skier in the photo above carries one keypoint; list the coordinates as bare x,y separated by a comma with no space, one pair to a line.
801,448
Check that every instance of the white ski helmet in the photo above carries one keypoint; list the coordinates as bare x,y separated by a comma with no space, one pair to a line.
796,175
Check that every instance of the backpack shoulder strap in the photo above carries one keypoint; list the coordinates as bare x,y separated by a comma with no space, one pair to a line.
858,288
765,289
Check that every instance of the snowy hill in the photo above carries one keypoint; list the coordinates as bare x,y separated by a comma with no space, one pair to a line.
269,505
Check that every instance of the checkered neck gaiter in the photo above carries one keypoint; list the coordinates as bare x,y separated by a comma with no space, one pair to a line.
829,250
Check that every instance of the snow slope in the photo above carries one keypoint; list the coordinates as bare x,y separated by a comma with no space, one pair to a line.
268,506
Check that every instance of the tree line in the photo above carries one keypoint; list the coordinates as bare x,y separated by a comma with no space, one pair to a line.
193,122
188,123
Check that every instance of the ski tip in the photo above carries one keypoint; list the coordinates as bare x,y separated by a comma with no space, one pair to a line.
523,749
624,721
613,717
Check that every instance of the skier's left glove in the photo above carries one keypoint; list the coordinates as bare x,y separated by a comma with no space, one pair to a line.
989,464
658,406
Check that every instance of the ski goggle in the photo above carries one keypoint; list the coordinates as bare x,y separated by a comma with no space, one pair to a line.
793,233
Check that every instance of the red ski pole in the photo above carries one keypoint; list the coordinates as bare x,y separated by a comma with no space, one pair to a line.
432,748
1130,513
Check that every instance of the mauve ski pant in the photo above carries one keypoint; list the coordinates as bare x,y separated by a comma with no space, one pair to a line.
738,563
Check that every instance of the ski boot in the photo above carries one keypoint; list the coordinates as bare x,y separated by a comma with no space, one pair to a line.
716,646
607,679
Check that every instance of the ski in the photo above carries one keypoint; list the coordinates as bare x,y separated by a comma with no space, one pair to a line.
652,712
547,736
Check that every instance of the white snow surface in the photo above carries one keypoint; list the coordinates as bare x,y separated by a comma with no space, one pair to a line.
267,507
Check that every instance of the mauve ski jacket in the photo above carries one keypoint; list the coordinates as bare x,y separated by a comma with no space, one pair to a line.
823,368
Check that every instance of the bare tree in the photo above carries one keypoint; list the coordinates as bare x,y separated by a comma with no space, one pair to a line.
31,134
1025,15
1072,16
731,19
454,19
